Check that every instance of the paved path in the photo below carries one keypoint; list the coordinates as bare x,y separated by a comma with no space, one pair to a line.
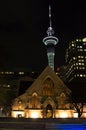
42,124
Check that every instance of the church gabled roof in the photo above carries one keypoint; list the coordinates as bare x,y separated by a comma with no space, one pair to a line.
48,73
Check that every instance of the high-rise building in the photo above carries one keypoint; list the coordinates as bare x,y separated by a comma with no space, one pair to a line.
50,41
17,81
76,61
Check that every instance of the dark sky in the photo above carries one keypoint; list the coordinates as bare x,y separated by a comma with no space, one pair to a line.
23,25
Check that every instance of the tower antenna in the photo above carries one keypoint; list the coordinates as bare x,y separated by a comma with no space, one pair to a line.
50,16
50,30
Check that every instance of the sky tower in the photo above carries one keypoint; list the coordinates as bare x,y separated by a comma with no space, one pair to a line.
50,41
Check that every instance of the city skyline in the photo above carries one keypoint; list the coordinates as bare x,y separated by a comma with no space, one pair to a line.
23,26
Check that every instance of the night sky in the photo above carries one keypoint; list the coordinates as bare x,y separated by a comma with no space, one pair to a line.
23,25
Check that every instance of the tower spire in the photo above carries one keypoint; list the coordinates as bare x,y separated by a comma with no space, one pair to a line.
50,16
50,41
50,30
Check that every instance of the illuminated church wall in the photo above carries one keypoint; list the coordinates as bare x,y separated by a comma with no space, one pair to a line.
47,97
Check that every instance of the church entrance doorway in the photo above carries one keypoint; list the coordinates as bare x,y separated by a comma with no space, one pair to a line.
49,111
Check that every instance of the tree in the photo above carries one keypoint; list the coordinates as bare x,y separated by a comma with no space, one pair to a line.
77,104
6,97
78,108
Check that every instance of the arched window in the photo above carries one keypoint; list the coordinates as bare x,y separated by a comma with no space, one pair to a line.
19,104
48,87
34,94
34,100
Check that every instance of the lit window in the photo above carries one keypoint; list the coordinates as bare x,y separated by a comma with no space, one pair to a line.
79,63
77,75
8,86
76,63
83,68
82,63
84,39
77,46
82,56
84,43
81,49
33,72
74,75
78,56
81,75
21,73
6,72
77,40
80,46
74,58
81,60
72,44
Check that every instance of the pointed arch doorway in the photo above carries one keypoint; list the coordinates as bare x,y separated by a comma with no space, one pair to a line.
49,111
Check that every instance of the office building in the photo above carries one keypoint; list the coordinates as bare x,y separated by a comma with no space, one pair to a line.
76,61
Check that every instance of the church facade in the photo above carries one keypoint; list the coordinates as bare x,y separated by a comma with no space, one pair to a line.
47,97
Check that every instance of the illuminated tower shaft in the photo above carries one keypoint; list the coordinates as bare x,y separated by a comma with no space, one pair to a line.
50,41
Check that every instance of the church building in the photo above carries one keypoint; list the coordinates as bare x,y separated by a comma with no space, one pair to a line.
47,97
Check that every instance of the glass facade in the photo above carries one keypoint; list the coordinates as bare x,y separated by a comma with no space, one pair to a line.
75,60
